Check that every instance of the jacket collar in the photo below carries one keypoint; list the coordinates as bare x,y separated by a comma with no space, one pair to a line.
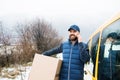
76,42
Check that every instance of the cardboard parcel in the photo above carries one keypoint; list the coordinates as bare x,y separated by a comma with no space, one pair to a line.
45,68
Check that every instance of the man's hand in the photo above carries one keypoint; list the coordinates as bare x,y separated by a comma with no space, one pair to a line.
78,36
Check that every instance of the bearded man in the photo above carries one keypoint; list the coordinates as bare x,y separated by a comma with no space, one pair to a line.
75,54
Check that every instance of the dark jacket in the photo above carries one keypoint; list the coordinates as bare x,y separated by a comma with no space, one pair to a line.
74,57
106,66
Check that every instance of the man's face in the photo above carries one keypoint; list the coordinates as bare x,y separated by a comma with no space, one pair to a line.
72,35
110,40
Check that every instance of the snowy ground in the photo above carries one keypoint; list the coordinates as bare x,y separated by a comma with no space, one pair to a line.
20,74
89,70
25,70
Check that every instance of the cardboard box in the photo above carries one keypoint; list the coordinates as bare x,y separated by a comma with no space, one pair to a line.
45,68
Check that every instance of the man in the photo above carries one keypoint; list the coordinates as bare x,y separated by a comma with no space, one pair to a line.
109,58
75,55
106,54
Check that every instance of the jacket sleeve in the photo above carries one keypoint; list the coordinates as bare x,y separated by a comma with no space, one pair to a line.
53,51
84,52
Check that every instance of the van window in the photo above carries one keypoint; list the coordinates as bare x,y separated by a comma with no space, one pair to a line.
110,53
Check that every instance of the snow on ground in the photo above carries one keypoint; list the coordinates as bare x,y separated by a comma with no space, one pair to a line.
88,69
22,75
23,72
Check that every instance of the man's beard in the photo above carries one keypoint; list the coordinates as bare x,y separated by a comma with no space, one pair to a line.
72,37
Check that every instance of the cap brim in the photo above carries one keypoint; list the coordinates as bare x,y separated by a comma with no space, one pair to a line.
71,29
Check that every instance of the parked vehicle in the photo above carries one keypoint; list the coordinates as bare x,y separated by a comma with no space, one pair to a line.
105,55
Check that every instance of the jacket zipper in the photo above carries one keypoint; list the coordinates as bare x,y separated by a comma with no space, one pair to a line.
69,63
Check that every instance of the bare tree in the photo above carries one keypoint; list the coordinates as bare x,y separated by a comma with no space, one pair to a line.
36,36
44,36
25,45
4,41
4,36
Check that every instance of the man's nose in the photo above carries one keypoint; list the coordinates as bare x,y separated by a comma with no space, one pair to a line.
71,33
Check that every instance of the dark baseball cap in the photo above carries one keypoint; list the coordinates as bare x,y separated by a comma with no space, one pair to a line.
112,35
74,27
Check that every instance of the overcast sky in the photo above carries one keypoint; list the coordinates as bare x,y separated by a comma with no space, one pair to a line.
87,14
